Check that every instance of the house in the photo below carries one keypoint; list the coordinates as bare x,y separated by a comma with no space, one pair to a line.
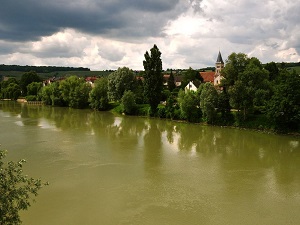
190,87
91,81
177,80
52,80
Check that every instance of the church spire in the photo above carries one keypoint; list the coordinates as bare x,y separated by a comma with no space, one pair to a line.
219,59
219,67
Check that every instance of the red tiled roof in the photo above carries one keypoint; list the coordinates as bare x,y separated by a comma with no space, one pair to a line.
91,79
207,76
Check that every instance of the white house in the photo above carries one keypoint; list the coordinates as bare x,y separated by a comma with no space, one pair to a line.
190,87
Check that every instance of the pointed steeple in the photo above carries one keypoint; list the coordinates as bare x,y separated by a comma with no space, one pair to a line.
219,67
219,59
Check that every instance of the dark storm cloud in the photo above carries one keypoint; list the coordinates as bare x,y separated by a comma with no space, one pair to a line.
22,20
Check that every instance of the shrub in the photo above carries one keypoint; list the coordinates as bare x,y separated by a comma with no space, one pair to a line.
128,103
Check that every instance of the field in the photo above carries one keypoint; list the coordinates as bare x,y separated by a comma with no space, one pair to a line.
296,68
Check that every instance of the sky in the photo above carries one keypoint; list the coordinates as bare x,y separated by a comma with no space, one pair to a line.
108,34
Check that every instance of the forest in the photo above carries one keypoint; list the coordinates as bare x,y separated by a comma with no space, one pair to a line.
40,69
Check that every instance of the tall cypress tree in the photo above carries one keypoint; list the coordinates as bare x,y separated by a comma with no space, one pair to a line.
153,78
171,82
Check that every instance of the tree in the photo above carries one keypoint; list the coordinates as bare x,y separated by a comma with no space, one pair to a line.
138,91
12,91
235,64
247,83
4,84
120,81
128,102
34,88
28,78
153,78
283,108
208,102
224,105
16,189
189,106
191,75
75,92
171,82
98,95
273,70
52,95
46,93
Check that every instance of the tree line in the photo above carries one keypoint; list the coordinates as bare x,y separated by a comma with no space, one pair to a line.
40,69
250,94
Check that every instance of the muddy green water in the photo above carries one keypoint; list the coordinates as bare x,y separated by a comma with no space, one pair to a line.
111,170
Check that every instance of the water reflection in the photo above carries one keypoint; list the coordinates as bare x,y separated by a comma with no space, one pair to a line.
143,167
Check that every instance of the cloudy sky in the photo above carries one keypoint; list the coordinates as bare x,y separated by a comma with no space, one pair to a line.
107,34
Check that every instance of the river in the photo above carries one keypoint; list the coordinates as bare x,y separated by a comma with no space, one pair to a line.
113,170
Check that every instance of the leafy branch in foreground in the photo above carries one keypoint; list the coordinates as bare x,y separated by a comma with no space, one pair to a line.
16,190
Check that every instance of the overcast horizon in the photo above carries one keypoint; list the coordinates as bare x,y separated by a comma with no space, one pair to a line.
108,34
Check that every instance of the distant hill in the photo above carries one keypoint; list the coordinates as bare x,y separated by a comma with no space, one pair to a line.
40,69
46,72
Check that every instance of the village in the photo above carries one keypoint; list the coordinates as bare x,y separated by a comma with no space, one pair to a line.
242,93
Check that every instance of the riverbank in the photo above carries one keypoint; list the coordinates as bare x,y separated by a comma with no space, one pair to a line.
256,123
253,122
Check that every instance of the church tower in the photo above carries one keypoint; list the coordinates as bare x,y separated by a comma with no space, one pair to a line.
219,67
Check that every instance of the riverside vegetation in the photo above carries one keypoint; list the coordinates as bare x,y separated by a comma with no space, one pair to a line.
16,189
251,95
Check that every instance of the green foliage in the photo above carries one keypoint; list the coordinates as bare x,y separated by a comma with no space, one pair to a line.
75,92
39,69
120,81
224,106
46,93
16,189
34,88
170,108
10,91
161,111
143,110
191,75
273,70
4,84
98,95
153,78
171,82
283,109
128,102
31,98
51,95
208,102
247,83
138,90
189,106
28,78
235,64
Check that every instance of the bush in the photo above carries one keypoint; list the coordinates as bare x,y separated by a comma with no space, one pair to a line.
143,110
128,103
161,112
31,98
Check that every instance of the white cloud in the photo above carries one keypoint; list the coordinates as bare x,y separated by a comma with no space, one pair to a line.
189,34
